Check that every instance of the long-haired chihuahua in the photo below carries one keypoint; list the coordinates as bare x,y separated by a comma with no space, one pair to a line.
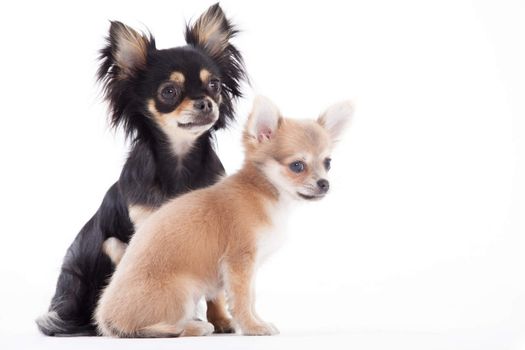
169,103
209,242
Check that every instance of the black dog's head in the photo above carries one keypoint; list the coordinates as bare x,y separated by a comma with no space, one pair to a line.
183,92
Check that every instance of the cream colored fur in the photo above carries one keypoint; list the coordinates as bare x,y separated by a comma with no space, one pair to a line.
209,242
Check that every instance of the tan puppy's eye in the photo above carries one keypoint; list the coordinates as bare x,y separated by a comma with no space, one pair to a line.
297,166
326,163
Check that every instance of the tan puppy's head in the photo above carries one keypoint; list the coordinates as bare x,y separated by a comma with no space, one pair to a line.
294,154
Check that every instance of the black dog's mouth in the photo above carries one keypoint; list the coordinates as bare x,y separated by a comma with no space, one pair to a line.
310,197
191,125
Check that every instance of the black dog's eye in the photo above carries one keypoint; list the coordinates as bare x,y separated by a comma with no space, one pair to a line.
169,93
327,163
297,166
214,86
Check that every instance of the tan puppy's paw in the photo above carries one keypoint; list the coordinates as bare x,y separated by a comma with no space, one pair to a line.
260,329
197,329
223,325
275,331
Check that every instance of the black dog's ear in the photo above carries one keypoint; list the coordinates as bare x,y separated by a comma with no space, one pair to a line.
125,54
211,33
126,51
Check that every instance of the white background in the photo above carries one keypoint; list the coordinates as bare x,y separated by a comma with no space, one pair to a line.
420,243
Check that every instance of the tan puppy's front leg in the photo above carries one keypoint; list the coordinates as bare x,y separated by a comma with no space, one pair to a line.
218,316
240,275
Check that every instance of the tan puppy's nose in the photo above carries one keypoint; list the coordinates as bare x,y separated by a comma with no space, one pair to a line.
323,185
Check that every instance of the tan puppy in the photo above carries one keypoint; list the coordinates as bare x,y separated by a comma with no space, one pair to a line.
209,242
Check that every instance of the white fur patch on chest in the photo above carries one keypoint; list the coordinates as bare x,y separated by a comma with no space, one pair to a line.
181,140
271,238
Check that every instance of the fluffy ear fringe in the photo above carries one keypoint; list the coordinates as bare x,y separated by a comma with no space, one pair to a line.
126,51
212,33
124,55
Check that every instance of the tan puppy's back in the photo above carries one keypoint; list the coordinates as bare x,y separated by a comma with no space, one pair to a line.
210,220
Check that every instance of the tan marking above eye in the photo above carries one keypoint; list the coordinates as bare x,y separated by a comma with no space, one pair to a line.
204,75
177,77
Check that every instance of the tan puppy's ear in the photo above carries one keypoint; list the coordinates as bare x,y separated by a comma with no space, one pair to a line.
264,120
336,118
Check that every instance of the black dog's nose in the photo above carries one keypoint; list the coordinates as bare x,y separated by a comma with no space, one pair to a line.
324,185
203,105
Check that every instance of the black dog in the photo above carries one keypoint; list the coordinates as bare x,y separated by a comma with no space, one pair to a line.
169,103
